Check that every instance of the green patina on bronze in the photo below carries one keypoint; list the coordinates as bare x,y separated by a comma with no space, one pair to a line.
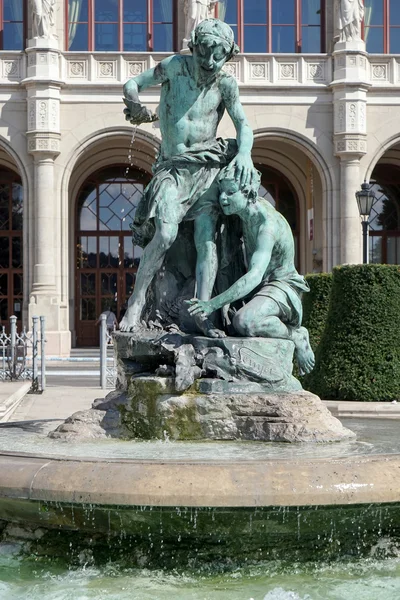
195,93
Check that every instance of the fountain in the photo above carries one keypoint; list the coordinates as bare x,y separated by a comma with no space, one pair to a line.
175,471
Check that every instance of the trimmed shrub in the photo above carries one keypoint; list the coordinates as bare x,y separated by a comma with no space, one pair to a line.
358,357
316,305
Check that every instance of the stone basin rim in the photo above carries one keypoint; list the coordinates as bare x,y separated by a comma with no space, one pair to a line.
363,480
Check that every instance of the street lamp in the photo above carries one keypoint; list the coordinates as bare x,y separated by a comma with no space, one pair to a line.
365,199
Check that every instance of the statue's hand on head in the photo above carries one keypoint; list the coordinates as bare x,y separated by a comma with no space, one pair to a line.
136,113
241,169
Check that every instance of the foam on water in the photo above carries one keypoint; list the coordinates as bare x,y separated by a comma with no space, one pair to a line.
362,580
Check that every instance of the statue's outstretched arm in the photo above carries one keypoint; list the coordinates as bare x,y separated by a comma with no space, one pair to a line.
244,285
135,111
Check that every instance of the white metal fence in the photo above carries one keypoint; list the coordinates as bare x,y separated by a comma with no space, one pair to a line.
22,354
108,371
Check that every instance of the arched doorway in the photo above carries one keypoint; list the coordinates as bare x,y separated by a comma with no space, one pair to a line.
384,221
106,261
278,191
11,254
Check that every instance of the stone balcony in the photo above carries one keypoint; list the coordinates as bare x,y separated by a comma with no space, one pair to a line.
251,70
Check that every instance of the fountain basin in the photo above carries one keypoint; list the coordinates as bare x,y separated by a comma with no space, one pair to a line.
236,501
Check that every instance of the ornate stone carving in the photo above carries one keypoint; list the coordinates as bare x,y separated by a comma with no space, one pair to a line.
232,69
352,115
349,16
76,68
106,69
11,69
135,68
258,71
54,114
42,18
44,143
380,72
351,145
31,114
315,72
287,71
340,116
362,116
42,114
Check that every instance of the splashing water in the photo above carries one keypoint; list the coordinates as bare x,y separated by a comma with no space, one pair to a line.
130,150
360,580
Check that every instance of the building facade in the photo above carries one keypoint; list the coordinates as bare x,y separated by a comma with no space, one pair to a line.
322,99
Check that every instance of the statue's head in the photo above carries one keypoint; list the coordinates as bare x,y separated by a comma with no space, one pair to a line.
212,44
234,198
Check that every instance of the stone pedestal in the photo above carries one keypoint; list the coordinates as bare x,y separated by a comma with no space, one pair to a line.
195,388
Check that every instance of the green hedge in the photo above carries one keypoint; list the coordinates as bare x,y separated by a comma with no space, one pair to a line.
358,357
316,305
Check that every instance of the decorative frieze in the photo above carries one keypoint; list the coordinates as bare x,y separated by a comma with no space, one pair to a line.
135,68
350,116
259,71
106,69
77,69
43,114
287,71
46,143
11,70
232,68
248,69
379,72
350,145
315,71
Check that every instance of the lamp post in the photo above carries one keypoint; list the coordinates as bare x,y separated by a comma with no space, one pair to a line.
365,199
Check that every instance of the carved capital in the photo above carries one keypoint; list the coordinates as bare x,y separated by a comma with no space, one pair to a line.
354,146
46,144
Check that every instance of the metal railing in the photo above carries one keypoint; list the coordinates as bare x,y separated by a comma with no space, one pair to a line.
21,352
108,372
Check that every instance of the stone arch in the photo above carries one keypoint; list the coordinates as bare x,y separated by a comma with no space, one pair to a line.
384,220
10,159
101,149
390,149
282,157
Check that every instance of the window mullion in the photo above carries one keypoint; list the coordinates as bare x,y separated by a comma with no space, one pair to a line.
386,26
91,25
240,23
150,28
298,24
269,25
121,25
2,26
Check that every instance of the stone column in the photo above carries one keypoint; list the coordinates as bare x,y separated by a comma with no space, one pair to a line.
43,86
44,267
350,88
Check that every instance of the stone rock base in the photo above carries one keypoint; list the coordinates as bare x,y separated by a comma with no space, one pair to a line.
151,409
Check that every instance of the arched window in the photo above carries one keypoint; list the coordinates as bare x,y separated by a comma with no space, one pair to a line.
11,255
276,25
106,260
120,25
277,190
384,220
12,30
382,26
